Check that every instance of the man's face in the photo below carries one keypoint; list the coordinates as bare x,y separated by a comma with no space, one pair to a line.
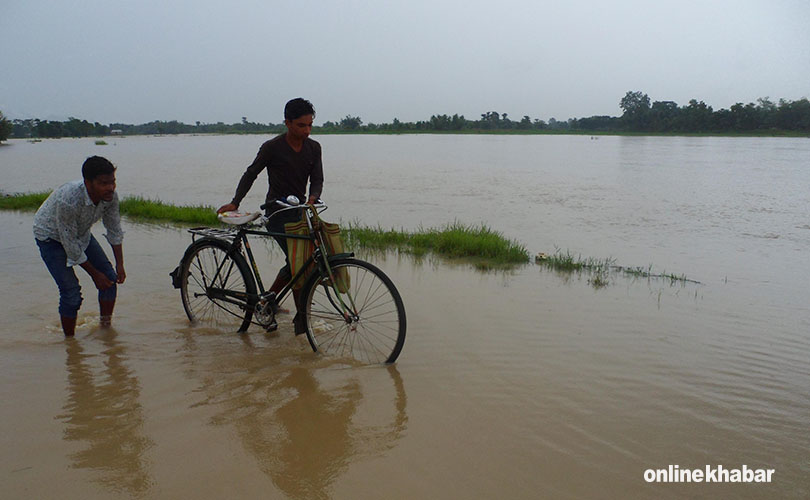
301,127
101,188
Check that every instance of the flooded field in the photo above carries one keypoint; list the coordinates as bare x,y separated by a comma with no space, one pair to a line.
522,384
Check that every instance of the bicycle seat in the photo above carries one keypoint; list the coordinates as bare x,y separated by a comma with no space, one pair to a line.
238,218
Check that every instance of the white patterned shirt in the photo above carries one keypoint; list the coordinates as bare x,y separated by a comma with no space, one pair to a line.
69,213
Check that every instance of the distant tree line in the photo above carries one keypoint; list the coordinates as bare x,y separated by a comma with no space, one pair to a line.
666,116
639,114
73,127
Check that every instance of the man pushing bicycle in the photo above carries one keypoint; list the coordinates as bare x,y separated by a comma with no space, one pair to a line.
292,159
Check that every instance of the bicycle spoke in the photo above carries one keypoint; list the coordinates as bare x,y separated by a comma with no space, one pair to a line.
373,331
214,280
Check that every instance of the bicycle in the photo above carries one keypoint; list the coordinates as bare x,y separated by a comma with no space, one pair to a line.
351,308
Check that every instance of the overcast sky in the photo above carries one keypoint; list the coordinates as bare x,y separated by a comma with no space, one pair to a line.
136,61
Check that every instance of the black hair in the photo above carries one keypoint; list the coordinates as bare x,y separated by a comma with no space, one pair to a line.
95,166
297,108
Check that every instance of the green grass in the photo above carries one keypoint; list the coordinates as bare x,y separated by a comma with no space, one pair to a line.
481,246
566,261
601,270
101,142
484,247
132,206
155,210
25,202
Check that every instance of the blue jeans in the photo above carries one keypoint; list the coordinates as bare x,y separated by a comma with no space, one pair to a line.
70,296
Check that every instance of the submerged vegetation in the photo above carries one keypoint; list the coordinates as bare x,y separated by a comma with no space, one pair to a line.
601,270
484,247
132,206
25,202
156,210
481,246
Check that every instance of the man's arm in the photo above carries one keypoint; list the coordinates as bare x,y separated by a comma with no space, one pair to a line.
111,218
118,252
101,281
316,179
246,181
115,235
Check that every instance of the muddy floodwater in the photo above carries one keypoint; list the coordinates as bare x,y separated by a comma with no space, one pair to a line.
527,383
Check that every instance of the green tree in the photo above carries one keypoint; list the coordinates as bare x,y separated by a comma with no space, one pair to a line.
351,122
745,117
696,117
525,123
663,116
636,110
440,122
490,120
793,115
5,127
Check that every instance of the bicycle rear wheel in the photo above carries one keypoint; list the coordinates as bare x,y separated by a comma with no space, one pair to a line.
366,322
217,288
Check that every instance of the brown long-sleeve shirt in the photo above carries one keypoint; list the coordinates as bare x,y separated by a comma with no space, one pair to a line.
287,170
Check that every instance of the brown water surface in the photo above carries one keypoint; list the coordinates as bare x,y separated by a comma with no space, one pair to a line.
521,384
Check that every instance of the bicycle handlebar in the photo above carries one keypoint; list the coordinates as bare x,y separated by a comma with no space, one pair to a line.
285,203
319,206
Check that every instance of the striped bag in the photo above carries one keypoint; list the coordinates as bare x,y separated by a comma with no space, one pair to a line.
298,250
334,245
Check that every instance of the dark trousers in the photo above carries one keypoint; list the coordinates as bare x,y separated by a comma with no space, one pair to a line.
70,292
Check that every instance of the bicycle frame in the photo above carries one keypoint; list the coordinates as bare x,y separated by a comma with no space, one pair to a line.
346,306
238,238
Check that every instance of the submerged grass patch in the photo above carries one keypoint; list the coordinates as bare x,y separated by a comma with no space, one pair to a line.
481,246
486,248
132,206
25,202
601,270
156,210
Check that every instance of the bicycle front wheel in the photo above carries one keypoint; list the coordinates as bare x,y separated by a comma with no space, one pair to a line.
363,319
217,287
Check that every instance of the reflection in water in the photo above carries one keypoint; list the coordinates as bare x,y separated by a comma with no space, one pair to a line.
103,412
318,444
305,423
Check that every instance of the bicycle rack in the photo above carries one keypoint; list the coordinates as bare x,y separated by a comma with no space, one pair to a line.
213,232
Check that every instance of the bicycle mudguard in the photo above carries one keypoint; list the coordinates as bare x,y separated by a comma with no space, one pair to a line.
176,277
345,255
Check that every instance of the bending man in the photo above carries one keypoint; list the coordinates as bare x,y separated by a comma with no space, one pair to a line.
62,231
